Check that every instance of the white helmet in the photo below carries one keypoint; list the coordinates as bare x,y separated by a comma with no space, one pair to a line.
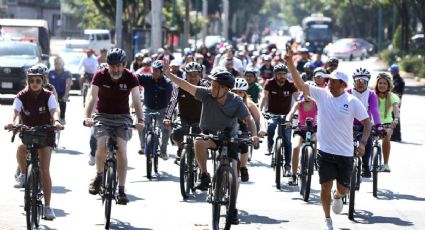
241,84
361,73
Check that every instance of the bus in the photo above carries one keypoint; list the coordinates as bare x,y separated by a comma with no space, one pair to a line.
31,30
317,32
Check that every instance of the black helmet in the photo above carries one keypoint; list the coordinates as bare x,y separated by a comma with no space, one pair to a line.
223,77
280,67
116,56
308,65
251,70
37,69
333,61
158,65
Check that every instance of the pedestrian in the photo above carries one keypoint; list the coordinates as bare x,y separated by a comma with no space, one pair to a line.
337,110
398,89
61,79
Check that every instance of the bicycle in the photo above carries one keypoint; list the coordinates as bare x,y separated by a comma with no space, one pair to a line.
222,192
33,138
376,158
188,164
151,144
109,182
86,85
279,151
308,158
355,178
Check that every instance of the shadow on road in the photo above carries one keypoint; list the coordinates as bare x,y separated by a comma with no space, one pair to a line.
254,163
246,218
68,151
133,198
197,198
415,90
60,212
366,217
60,189
410,143
314,198
116,224
390,195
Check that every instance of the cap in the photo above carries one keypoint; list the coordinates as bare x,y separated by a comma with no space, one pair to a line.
393,68
339,76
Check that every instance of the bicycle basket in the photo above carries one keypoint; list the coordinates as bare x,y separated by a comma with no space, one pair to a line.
34,137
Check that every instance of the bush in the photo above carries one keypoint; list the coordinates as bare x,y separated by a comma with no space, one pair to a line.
389,56
422,72
412,63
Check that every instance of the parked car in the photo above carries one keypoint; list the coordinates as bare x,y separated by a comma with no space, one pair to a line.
419,41
15,59
72,59
348,49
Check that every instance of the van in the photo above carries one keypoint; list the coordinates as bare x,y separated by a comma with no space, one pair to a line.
93,39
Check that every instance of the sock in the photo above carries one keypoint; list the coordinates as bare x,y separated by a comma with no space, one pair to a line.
99,174
121,189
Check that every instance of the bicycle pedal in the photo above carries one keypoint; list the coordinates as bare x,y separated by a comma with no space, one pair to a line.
177,162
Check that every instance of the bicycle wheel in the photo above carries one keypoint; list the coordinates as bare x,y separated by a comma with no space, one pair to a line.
352,193
149,154
185,176
278,161
250,153
109,185
29,198
224,198
375,168
308,172
302,168
85,89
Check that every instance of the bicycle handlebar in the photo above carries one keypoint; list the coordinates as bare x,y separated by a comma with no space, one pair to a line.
21,128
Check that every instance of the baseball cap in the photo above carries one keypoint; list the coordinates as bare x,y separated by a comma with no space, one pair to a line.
393,68
338,75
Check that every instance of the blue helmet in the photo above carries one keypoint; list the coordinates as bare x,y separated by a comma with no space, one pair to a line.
394,68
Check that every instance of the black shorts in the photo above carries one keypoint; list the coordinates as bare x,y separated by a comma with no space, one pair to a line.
179,132
333,167
232,151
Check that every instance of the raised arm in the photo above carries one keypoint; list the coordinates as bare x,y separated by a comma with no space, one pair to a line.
298,81
183,84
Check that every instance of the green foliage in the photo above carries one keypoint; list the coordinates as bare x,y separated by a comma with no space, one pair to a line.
389,56
412,63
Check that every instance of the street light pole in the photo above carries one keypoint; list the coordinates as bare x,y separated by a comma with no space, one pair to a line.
226,19
118,24
156,32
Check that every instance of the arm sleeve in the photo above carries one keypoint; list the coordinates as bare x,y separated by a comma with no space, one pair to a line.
52,103
173,103
17,105
374,108
201,93
96,79
316,93
170,90
242,111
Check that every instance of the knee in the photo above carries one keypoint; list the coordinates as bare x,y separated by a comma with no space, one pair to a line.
21,150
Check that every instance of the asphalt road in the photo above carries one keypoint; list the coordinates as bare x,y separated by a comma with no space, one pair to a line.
157,204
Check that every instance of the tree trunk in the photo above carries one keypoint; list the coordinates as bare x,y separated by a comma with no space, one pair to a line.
404,13
354,15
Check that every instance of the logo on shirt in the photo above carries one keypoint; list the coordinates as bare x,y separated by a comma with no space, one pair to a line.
344,108
285,93
123,87
42,109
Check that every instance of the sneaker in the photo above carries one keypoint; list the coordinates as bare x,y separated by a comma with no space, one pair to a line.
287,172
293,181
141,152
17,172
92,160
164,156
234,219
244,174
94,186
122,198
20,181
204,182
337,204
366,172
49,214
62,121
270,150
386,168
328,224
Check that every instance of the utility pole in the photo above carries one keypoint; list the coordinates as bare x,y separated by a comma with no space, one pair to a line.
118,24
205,16
186,24
226,19
156,32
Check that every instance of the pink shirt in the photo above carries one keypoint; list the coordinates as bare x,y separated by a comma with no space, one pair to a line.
302,114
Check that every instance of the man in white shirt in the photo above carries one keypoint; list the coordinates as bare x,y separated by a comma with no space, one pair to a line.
89,64
336,112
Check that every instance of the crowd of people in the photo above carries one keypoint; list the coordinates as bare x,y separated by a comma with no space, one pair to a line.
213,92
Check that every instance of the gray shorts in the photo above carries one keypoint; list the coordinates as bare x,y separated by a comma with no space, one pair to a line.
113,120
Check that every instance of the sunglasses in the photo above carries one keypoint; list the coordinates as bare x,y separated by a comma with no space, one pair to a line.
364,80
37,81
238,91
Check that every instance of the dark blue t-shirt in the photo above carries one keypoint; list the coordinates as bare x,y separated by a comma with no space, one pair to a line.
59,81
157,93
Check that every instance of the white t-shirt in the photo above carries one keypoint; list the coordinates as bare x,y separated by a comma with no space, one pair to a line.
89,64
335,120
51,104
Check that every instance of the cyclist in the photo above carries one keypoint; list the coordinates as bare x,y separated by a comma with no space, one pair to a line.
102,57
157,94
220,110
89,64
61,79
35,106
175,68
266,70
146,66
331,65
304,58
307,75
255,91
320,76
189,108
278,93
318,61
388,103
137,63
306,107
240,89
369,100
398,89
336,113
110,91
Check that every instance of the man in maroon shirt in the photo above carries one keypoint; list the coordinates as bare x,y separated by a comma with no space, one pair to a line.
111,88
277,100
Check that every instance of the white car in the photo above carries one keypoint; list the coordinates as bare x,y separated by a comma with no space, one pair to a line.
347,49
